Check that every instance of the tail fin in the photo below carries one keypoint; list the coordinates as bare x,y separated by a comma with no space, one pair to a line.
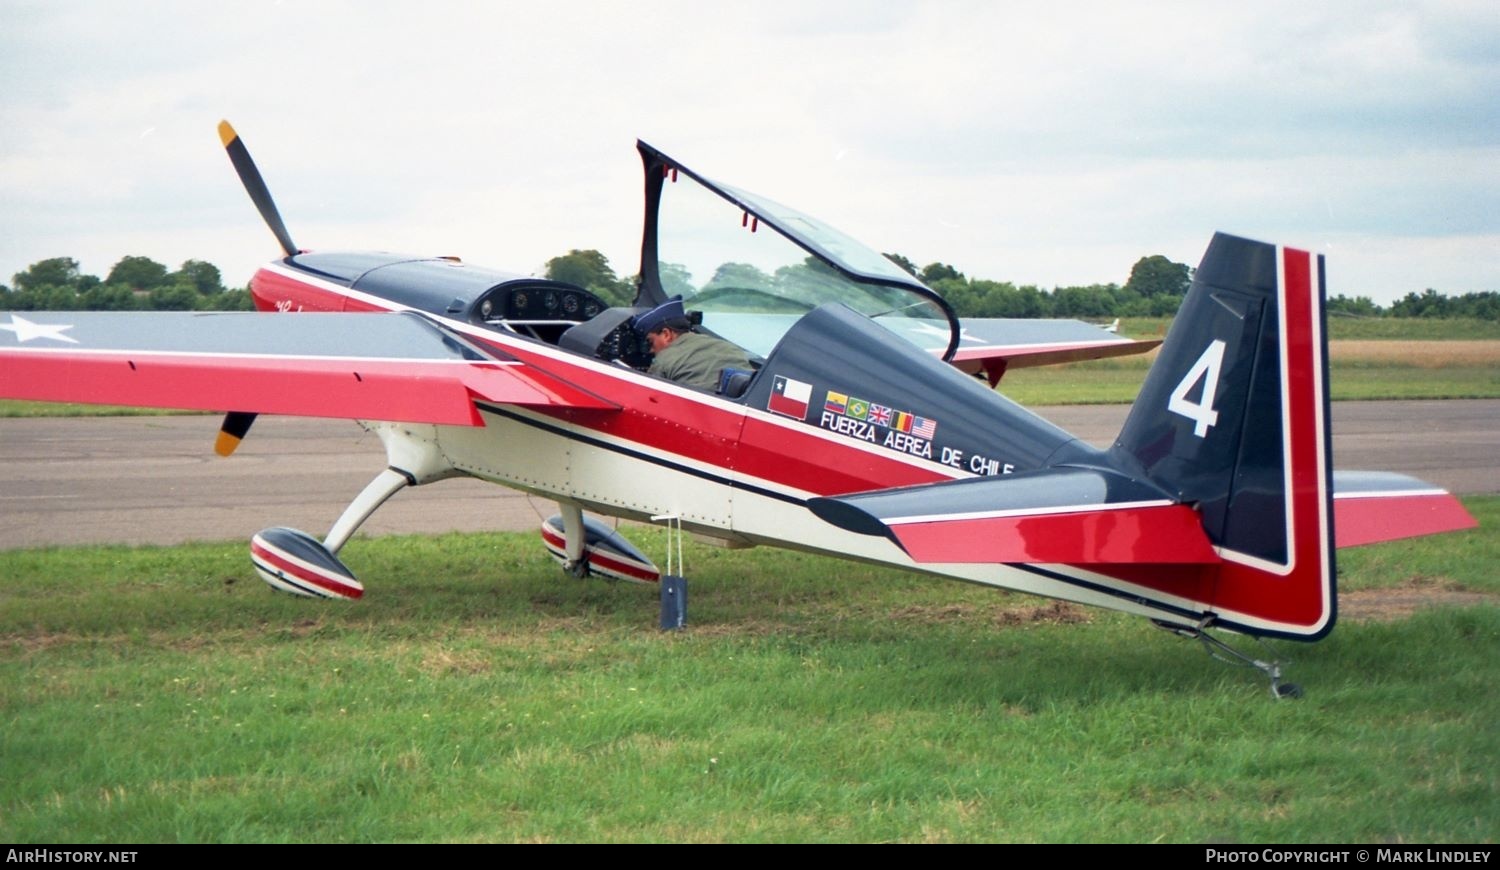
1233,419
1214,506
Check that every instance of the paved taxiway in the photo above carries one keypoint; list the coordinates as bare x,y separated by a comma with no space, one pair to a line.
156,480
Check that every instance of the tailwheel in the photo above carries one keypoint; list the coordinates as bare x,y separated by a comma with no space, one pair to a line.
1222,651
578,568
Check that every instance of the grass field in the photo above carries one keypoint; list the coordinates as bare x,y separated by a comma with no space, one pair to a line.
1358,369
1360,328
161,694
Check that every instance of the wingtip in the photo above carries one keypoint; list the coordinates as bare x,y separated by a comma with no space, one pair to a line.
226,133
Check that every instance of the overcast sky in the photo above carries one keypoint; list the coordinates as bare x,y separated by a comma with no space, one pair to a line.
1051,144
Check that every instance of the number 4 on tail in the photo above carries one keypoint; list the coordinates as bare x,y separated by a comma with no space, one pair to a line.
1201,412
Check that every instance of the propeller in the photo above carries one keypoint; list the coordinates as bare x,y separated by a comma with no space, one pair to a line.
255,186
237,424
232,431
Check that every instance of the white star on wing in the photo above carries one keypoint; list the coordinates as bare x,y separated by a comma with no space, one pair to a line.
25,330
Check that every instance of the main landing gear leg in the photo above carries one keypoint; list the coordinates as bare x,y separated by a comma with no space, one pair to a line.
576,534
386,484
1229,655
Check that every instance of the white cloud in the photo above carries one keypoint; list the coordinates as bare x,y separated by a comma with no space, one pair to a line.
1051,145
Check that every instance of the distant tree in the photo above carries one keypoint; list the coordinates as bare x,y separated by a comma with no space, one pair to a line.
137,273
174,297
905,264
1095,300
110,297
810,282
591,270
961,295
229,300
981,298
675,279
202,275
1359,306
1485,306
933,272
1164,306
1032,301
741,275
1157,276
54,272
1429,303
43,298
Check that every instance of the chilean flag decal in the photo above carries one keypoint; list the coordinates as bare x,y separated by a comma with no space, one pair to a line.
789,397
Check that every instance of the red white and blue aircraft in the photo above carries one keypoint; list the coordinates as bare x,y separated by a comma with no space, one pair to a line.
860,431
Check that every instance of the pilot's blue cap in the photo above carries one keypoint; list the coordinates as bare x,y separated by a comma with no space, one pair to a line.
660,316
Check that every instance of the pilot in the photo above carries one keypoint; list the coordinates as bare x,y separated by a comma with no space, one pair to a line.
684,356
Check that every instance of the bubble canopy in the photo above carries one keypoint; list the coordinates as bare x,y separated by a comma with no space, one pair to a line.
754,267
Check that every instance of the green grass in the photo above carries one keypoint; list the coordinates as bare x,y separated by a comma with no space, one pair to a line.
1358,328
159,694
24,408
1109,382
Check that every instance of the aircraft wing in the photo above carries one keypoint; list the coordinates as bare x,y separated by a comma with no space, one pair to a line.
1073,515
394,367
996,345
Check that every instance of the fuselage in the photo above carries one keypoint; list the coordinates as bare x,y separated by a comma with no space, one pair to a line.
736,470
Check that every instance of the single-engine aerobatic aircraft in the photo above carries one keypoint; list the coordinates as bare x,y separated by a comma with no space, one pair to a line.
860,429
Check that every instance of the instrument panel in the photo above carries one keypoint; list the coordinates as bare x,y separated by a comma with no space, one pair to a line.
539,301
544,310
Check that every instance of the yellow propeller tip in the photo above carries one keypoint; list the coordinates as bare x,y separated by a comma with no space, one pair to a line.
226,133
226,444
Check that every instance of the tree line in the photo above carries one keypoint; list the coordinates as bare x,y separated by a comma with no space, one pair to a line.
133,284
1154,289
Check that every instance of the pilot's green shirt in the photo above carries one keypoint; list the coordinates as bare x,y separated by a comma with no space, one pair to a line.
695,360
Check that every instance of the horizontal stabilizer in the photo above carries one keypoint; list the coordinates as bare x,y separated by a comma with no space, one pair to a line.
1060,515
997,345
1374,506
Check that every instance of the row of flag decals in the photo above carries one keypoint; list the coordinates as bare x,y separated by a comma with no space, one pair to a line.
880,415
791,398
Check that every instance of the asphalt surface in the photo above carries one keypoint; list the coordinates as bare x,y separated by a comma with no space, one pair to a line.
156,480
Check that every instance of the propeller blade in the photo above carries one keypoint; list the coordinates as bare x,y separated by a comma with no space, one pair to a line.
256,187
232,431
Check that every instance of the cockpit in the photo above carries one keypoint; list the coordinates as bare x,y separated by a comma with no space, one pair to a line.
754,267
747,269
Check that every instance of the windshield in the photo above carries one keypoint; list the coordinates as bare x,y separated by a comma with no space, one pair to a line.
754,267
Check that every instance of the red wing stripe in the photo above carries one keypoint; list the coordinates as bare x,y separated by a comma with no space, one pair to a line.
1168,534
1369,518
